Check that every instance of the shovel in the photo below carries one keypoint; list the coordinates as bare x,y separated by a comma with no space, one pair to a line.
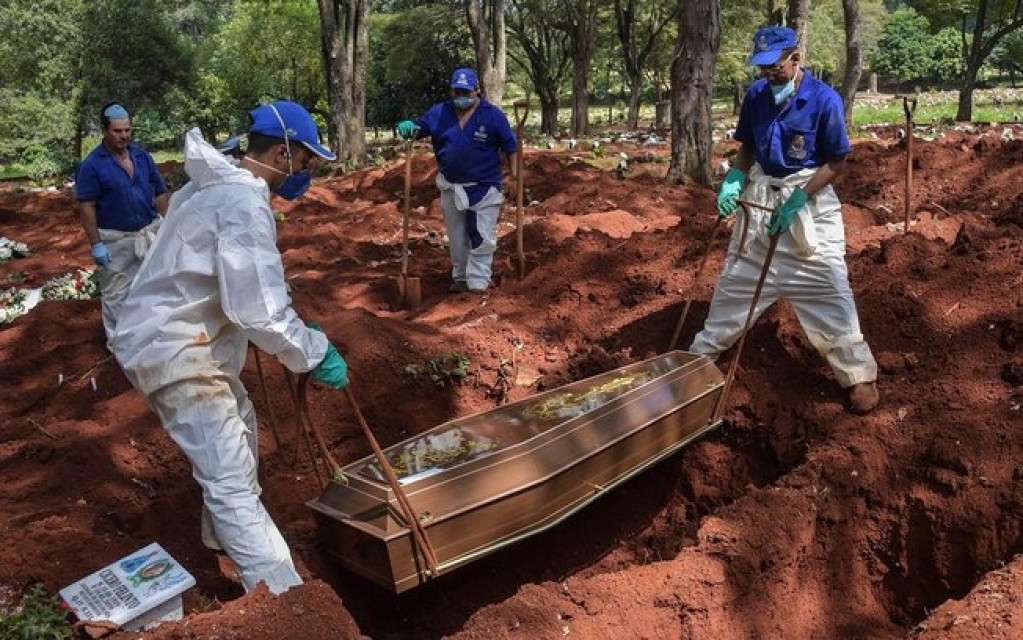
520,123
909,106
409,291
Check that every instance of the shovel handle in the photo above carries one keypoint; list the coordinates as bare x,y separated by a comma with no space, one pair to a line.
418,532
406,209
696,278
909,106
520,123
723,399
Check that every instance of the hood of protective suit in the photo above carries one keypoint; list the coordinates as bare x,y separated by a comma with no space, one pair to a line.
206,166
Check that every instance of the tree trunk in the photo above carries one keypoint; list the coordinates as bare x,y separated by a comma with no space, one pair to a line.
798,18
548,111
344,30
581,27
775,13
692,83
486,23
853,57
636,95
580,95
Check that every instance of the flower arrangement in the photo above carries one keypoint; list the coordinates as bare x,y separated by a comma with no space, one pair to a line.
11,249
83,285
12,304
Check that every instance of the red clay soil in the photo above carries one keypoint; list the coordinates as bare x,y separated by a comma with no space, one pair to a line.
794,519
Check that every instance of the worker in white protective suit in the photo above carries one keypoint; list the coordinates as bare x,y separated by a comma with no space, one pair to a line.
213,282
121,202
794,143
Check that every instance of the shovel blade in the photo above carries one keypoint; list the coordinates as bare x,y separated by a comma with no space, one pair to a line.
408,293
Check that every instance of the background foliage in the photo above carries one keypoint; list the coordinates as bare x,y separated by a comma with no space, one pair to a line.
183,63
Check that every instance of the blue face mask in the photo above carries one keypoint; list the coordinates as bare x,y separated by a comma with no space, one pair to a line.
463,103
783,91
295,185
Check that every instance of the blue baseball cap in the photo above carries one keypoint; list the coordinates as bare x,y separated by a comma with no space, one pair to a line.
285,119
464,79
768,44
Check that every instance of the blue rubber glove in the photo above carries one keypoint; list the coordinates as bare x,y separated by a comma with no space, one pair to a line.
407,129
728,196
101,255
333,370
786,213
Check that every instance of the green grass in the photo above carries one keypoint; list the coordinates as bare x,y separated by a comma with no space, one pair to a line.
12,171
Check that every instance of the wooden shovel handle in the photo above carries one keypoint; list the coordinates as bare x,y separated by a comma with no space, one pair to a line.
406,210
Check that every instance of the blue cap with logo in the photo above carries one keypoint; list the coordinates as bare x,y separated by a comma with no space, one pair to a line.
768,44
285,119
464,79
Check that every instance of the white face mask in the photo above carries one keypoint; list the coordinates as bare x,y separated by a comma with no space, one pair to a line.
783,91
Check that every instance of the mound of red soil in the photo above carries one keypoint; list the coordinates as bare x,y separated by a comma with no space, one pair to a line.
794,519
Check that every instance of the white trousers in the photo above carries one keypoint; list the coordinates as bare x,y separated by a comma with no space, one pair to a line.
127,250
808,270
214,424
472,236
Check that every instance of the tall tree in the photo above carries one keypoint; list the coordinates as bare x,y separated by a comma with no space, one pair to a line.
853,56
344,37
993,21
639,28
486,22
579,21
542,51
692,85
798,18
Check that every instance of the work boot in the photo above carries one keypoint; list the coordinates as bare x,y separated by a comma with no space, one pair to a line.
863,397
458,286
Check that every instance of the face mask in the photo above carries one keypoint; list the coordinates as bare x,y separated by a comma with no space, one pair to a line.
463,103
295,185
783,91
297,182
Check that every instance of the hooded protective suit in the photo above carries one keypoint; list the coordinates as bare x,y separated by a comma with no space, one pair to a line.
212,282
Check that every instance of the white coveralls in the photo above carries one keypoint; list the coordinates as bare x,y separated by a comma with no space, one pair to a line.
127,250
472,232
808,270
212,282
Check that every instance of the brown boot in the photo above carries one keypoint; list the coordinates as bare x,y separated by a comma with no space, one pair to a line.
863,397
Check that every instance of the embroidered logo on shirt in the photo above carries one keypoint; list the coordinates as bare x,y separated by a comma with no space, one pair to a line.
480,135
797,148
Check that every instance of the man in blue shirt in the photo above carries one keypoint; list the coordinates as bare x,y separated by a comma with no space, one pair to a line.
121,200
794,143
469,136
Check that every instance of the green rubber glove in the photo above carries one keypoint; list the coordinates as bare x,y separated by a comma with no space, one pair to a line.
333,370
783,218
728,196
407,129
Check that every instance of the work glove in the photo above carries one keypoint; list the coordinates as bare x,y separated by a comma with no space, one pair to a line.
333,370
728,196
101,255
783,218
407,129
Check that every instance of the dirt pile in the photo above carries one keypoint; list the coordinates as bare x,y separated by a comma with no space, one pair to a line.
794,519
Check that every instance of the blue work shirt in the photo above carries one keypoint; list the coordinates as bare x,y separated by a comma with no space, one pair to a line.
122,203
470,154
804,132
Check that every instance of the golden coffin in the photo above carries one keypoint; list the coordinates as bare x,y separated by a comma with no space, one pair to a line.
488,480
